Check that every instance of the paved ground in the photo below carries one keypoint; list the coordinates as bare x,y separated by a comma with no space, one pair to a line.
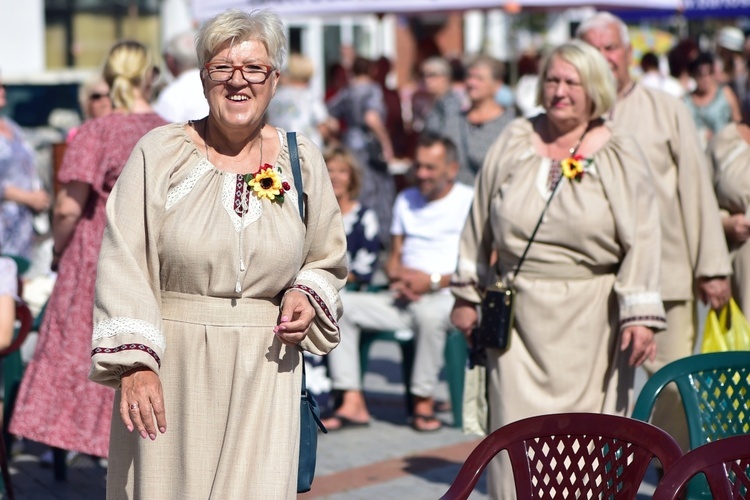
386,460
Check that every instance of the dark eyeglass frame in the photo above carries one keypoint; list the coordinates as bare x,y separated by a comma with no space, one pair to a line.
95,96
214,72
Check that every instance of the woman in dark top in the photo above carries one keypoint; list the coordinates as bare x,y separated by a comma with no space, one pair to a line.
360,222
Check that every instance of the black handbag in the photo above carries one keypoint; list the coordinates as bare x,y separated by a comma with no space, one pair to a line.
496,319
309,413
498,304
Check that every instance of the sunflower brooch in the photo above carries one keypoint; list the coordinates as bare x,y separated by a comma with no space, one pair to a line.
267,183
575,167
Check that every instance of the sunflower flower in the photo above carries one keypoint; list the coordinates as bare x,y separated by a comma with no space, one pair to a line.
574,167
266,183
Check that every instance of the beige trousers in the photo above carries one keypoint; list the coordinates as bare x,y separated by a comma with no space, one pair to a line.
677,342
428,318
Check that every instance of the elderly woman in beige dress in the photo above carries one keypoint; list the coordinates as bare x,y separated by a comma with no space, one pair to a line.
588,299
210,282
730,157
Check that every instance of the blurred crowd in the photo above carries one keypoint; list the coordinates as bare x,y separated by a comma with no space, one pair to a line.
442,185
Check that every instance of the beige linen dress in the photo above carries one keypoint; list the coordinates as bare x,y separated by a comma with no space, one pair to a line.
730,158
592,269
173,251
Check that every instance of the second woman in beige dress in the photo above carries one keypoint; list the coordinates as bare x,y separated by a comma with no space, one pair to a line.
588,293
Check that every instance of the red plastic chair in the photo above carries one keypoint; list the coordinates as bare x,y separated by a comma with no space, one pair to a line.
574,455
725,464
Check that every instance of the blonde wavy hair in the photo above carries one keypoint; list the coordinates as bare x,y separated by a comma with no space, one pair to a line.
129,66
597,79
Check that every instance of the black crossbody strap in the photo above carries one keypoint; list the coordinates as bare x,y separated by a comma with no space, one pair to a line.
546,206
291,140
536,228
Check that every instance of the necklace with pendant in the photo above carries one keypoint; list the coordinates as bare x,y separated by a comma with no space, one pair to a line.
242,206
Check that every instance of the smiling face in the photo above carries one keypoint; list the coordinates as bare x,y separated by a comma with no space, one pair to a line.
608,41
237,104
564,97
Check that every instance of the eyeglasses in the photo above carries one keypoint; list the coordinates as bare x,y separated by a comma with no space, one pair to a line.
252,73
95,96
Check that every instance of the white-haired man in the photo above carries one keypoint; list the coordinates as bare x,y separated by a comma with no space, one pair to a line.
694,251
183,98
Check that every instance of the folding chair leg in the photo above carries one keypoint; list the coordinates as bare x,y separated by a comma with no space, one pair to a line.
456,354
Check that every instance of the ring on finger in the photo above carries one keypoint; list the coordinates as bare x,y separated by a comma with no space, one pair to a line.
134,406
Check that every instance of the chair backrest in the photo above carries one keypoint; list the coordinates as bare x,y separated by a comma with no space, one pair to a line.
571,455
715,392
725,464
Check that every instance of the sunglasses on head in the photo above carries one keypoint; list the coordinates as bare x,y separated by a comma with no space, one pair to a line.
95,96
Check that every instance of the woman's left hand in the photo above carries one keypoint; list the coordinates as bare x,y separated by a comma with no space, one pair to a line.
642,340
296,317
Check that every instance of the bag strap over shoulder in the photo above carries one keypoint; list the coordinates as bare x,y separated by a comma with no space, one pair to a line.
291,139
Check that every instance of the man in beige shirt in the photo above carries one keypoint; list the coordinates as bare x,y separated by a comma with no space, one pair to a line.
694,251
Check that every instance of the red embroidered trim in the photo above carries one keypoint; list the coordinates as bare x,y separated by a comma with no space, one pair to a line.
127,347
317,299
239,189
643,318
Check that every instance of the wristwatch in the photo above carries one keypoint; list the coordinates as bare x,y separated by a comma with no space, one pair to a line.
435,281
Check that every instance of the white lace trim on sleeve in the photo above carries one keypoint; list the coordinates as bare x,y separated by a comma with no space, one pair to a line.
112,327
330,292
640,299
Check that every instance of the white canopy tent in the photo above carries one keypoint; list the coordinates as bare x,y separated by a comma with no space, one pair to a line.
204,9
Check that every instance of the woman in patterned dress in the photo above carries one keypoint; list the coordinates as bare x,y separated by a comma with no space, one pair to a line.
20,198
210,283
360,221
588,298
57,404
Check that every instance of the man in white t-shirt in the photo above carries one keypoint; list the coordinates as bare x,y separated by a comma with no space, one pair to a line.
183,98
426,227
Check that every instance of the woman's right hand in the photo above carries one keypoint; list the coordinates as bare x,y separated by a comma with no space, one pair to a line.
464,317
141,401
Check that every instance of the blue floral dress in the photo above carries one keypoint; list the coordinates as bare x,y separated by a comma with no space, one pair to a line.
17,169
362,242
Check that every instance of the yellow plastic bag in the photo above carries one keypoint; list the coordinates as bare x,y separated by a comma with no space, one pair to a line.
727,331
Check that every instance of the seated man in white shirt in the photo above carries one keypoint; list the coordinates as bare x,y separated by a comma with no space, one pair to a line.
427,223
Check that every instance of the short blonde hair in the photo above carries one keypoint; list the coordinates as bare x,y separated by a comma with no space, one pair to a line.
299,68
129,66
355,176
597,79
235,26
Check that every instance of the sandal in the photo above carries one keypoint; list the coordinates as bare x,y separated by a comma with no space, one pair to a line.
346,423
429,423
